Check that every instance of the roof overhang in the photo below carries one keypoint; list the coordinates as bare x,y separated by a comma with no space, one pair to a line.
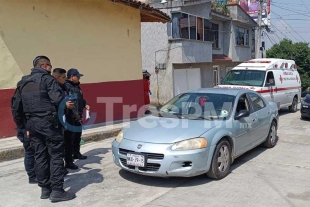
251,21
147,13
220,58
219,16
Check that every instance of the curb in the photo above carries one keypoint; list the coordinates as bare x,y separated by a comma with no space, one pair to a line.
16,153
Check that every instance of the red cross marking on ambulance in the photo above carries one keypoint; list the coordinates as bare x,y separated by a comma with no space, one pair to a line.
281,79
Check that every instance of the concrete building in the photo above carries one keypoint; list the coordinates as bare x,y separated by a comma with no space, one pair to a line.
197,48
101,38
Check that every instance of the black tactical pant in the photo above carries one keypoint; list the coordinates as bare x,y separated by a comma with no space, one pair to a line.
68,147
73,138
48,144
29,158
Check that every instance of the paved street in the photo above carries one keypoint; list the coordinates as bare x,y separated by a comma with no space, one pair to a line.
273,177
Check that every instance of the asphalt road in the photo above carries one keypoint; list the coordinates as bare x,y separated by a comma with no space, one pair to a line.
262,177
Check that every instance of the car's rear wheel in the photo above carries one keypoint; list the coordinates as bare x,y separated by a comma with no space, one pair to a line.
303,117
272,138
293,107
221,161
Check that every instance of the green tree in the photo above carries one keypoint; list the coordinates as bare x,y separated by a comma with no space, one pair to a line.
300,52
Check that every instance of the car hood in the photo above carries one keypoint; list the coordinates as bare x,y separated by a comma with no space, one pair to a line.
163,130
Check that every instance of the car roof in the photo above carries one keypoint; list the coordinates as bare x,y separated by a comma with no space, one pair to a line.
228,91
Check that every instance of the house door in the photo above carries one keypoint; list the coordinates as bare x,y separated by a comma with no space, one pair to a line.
216,75
186,80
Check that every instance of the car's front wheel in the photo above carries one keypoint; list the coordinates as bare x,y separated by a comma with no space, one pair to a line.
221,161
272,138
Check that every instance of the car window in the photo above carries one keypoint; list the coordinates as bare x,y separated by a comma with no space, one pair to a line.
244,77
202,105
178,104
243,104
257,102
270,79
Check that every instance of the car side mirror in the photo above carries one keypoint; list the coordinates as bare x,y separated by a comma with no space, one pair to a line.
242,114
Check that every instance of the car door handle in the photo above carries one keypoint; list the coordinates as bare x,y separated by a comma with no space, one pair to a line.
254,119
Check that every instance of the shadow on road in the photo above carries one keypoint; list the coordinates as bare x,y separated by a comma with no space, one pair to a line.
248,156
77,181
188,182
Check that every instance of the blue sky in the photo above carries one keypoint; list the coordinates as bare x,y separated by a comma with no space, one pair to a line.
291,19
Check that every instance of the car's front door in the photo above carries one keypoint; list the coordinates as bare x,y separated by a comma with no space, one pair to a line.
259,106
244,126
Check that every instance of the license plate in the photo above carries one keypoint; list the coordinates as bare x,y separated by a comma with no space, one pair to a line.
136,160
304,106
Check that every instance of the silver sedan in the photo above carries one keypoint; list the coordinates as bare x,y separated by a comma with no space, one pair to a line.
198,132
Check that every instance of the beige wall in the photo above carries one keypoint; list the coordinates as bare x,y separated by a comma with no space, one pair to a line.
100,38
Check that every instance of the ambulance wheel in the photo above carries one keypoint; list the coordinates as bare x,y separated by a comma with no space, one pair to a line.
293,107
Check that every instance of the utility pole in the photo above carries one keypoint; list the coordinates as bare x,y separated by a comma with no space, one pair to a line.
259,31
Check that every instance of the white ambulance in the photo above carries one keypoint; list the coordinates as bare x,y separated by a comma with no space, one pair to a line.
275,79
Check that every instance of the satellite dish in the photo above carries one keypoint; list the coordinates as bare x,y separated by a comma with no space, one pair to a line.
163,1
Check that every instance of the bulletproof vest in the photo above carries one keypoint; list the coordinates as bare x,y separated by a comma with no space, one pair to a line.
34,95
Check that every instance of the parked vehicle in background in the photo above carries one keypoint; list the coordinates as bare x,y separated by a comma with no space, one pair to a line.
198,132
305,107
276,79
305,92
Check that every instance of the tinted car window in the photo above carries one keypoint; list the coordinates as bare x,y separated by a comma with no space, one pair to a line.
203,105
257,102
307,98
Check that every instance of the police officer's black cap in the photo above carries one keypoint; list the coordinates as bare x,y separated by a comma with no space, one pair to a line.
74,72
39,58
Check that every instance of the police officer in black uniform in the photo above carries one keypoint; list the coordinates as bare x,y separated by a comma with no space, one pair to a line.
73,86
60,75
40,100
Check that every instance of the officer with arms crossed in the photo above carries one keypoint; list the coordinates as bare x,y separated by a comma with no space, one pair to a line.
40,99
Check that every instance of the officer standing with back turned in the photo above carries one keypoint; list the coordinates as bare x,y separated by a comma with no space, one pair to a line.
40,100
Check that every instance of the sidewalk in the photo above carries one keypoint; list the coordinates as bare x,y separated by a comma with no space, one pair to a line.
11,148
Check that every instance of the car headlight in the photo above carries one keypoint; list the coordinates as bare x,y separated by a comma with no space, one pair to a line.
191,144
119,137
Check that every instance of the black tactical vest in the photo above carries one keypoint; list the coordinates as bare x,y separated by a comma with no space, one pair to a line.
34,95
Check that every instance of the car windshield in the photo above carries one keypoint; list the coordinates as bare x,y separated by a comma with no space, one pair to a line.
199,106
245,78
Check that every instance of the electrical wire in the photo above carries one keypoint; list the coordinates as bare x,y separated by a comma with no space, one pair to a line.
279,31
270,39
305,5
279,17
297,19
290,10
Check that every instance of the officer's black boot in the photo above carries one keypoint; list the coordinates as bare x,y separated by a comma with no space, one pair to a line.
61,195
77,154
71,166
45,193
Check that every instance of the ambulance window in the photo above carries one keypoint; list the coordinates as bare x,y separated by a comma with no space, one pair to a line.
270,79
257,102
